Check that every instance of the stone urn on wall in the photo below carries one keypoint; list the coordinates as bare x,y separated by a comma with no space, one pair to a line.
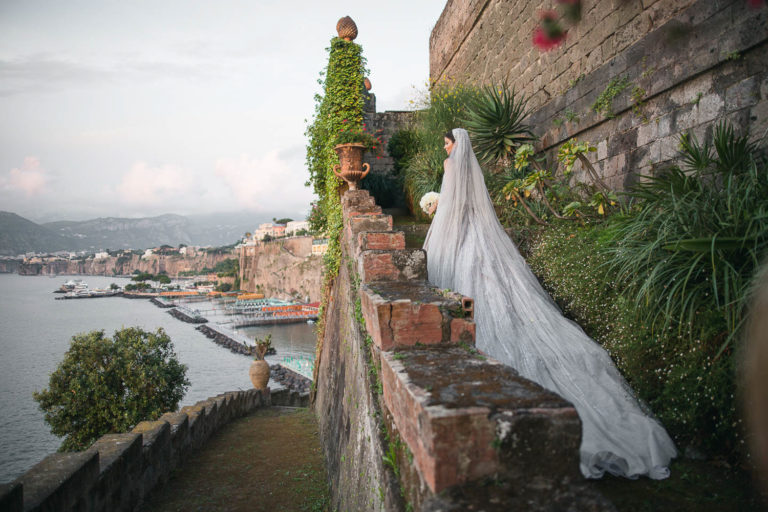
351,158
259,371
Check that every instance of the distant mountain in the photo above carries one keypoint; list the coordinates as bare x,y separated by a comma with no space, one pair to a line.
120,233
19,235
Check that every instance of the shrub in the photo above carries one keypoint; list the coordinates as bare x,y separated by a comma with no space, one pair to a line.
401,147
445,108
495,124
686,387
108,385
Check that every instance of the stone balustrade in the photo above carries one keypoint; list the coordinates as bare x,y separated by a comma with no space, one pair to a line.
119,470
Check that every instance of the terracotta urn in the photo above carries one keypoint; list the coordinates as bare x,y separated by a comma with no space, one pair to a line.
259,373
351,158
367,84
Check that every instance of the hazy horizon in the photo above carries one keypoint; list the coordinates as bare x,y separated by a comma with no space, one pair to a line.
141,109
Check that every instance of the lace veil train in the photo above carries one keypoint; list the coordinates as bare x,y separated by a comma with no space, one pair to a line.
519,324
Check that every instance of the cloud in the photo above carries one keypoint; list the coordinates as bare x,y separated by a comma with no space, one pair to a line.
146,185
264,184
31,178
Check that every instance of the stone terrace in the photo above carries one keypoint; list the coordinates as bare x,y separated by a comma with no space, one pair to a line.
463,419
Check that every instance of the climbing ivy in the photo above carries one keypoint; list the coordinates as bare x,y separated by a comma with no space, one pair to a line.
340,107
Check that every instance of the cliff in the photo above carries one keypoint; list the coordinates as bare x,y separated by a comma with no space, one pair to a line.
282,268
173,264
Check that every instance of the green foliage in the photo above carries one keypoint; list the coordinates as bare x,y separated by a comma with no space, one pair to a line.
163,279
224,287
604,103
388,190
445,108
495,124
697,235
569,152
108,385
402,146
340,107
143,276
285,220
686,386
229,267
359,135
130,287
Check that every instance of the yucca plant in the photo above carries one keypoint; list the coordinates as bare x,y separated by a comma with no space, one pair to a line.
495,125
696,236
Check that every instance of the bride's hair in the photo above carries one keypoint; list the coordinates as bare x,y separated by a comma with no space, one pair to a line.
449,135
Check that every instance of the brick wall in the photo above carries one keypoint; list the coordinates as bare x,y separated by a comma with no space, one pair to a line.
689,63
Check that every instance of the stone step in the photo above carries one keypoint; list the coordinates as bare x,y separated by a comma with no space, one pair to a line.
392,265
403,313
465,417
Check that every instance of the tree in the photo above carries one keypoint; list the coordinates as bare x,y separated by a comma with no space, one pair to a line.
281,221
109,385
142,276
163,279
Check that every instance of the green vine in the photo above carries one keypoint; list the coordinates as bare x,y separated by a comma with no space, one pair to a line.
339,109
604,103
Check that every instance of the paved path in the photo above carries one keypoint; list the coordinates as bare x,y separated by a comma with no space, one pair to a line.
268,461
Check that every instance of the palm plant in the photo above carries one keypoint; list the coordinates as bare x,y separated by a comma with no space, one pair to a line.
495,124
697,236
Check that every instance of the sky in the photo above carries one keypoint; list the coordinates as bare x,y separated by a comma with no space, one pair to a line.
139,108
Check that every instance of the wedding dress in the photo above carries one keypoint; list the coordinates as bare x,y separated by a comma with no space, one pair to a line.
518,323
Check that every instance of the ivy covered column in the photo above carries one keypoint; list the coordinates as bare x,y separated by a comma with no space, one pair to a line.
338,109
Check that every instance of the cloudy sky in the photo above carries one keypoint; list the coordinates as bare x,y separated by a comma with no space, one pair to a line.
140,108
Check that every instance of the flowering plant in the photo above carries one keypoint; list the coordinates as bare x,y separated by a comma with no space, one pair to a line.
353,134
429,201
549,34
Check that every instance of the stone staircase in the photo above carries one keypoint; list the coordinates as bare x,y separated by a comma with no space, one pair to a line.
478,435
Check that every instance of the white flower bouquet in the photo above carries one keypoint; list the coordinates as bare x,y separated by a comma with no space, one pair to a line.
429,201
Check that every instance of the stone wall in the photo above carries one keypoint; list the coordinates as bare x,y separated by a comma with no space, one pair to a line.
687,65
398,380
120,470
386,124
283,268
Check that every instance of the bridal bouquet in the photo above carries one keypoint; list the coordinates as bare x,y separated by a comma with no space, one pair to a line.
429,201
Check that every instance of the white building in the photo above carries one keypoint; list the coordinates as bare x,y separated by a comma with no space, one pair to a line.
147,254
101,256
296,225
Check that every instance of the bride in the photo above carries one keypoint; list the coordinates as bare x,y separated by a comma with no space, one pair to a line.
518,323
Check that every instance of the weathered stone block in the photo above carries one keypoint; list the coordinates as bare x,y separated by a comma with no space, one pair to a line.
368,222
354,199
59,481
156,451
465,417
120,470
180,439
401,314
383,241
399,265
12,497
197,425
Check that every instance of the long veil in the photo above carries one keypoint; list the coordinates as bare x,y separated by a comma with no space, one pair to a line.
519,324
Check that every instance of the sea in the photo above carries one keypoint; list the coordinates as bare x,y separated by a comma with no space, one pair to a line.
35,332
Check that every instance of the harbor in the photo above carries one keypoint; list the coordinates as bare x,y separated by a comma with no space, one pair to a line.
220,316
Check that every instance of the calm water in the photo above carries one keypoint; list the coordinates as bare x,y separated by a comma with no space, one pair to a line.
35,331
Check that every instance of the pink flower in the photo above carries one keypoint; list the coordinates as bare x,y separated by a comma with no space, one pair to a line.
549,34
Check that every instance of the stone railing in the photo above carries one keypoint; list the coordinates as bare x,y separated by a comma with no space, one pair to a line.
461,430
119,470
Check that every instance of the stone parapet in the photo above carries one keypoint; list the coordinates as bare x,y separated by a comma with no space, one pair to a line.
119,470
465,416
455,417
